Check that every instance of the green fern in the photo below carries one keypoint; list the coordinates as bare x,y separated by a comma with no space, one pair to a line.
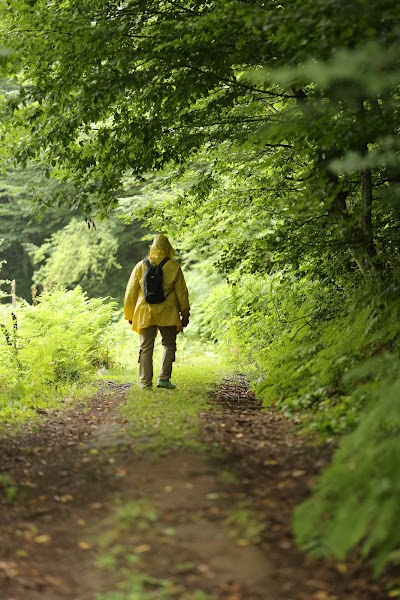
356,501
59,343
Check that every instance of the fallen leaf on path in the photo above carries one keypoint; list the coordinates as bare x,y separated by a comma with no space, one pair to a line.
203,568
323,595
269,503
243,542
169,541
283,484
298,473
9,568
42,539
142,548
55,582
121,473
64,498
212,496
214,510
84,546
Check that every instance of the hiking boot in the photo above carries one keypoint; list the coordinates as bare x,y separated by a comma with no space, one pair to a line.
165,383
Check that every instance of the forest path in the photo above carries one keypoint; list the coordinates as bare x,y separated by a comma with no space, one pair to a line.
90,517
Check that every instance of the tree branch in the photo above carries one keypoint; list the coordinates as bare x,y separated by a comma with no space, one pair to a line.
235,83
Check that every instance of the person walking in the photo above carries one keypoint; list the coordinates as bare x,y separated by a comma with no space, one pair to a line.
168,314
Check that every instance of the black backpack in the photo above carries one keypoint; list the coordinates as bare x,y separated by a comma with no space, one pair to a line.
153,282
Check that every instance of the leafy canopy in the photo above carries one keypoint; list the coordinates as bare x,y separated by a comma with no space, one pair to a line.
277,104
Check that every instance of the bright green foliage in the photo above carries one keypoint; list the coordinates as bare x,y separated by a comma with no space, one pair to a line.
98,258
9,486
140,586
42,245
301,339
135,514
23,223
356,501
243,524
76,255
278,110
48,348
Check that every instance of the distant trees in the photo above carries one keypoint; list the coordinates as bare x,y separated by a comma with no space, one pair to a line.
23,224
44,245
77,255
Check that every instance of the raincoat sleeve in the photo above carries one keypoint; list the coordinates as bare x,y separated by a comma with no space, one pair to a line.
182,294
132,293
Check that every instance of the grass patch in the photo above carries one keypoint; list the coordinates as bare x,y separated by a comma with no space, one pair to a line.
113,543
23,405
8,487
244,525
121,550
166,420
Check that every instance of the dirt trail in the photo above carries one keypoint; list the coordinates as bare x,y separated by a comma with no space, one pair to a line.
91,515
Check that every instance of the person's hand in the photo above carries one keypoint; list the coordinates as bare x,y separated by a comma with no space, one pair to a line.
185,319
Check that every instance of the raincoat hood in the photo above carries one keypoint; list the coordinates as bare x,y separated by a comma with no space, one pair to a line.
161,248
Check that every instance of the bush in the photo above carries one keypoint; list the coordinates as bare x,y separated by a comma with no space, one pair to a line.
356,501
299,339
46,348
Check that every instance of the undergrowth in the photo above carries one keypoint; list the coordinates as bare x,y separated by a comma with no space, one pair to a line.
49,351
356,501
310,349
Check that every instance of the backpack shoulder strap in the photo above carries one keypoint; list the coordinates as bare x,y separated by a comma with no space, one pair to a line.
147,263
162,263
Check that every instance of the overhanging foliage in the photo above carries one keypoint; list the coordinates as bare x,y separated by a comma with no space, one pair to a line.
110,88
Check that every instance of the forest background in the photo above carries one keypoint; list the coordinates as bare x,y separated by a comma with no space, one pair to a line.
263,138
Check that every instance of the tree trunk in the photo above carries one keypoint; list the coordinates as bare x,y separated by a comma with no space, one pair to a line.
368,245
366,214
14,294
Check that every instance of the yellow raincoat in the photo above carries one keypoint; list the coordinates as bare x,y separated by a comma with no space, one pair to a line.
142,314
